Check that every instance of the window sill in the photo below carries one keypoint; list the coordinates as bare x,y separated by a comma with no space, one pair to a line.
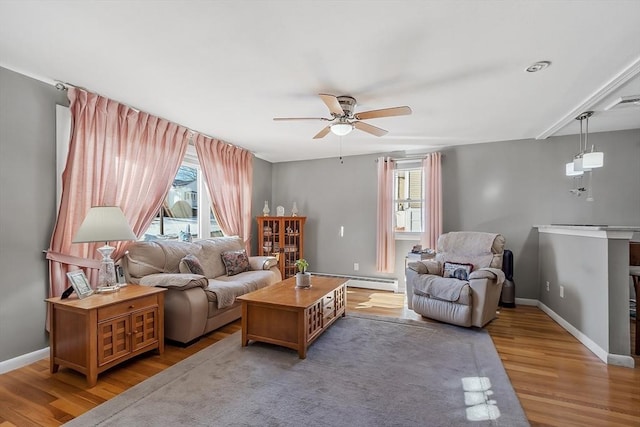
407,236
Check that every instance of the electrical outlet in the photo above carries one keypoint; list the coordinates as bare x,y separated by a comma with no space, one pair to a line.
561,291
547,286
356,266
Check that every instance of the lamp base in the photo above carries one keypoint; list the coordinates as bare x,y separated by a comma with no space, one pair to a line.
107,274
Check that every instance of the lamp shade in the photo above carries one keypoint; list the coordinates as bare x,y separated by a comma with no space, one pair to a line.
570,171
104,224
593,160
578,165
341,129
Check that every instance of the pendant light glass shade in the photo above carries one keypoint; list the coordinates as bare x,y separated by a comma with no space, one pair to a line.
570,171
578,165
593,160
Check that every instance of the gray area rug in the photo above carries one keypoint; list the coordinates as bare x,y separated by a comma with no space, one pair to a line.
363,371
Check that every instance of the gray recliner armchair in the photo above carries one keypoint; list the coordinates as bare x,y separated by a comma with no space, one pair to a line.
462,284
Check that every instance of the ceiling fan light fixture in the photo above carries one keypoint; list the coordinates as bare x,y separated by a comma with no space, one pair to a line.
342,128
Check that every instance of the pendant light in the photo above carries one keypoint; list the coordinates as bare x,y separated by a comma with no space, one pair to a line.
585,161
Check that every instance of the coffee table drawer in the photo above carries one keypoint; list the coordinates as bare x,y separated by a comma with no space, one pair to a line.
328,299
327,315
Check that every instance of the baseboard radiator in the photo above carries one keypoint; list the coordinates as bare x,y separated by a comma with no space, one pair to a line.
378,283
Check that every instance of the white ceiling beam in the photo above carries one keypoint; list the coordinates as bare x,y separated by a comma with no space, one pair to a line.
624,76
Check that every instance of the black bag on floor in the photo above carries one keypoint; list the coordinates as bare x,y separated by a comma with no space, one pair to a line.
508,295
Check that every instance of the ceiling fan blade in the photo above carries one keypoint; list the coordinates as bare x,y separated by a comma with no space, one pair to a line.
298,118
385,112
366,127
322,133
332,103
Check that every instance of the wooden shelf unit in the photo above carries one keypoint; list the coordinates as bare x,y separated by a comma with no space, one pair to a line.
93,334
282,237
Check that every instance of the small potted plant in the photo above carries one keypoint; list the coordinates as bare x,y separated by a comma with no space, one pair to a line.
303,278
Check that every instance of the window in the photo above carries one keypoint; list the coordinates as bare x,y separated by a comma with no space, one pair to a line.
183,208
408,200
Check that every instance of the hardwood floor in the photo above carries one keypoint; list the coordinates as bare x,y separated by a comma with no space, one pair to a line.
558,381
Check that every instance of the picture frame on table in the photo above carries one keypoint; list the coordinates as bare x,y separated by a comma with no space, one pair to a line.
80,283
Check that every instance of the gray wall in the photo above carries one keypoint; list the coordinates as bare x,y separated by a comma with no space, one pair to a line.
334,194
504,187
591,271
27,208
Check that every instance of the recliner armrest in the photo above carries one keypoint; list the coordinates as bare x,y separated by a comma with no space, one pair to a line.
488,273
418,267
426,267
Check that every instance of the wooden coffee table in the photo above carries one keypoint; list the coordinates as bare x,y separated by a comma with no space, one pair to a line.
292,317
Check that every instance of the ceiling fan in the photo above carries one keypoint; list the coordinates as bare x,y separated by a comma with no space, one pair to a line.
344,120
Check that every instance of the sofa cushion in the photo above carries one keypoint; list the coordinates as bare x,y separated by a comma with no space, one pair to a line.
210,254
235,262
144,258
191,264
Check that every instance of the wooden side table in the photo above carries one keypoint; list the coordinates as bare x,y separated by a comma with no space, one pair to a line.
94,334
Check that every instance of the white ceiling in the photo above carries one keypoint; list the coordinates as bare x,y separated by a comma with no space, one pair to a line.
226,68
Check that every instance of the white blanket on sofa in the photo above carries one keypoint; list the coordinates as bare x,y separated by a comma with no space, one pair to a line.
226,292
443,288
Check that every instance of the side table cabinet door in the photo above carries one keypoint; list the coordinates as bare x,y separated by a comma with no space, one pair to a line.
145,328
113,339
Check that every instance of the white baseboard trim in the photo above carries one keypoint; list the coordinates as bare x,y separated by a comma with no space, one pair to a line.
527,301
606,357
23,360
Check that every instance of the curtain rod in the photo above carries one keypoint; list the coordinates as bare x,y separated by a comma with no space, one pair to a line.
65,86
413,157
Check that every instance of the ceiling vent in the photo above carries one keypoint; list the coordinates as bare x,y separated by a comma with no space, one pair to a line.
624,102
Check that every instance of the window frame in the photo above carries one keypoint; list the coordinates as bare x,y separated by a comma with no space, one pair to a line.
204,203
407,166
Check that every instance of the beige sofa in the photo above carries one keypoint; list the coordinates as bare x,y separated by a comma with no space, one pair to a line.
472,301
196,304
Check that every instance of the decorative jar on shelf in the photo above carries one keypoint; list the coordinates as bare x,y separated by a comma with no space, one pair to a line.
266,209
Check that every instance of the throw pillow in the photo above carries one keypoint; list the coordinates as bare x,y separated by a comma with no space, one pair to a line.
460,274
450,267
191,265
235,262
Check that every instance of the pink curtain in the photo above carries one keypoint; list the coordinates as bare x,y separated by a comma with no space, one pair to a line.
386,245
228,172
432,176
118,156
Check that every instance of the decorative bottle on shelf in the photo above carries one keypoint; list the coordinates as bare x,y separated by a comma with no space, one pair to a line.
266,210
294,209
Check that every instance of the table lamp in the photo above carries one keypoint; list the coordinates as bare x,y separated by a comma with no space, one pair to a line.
105,224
